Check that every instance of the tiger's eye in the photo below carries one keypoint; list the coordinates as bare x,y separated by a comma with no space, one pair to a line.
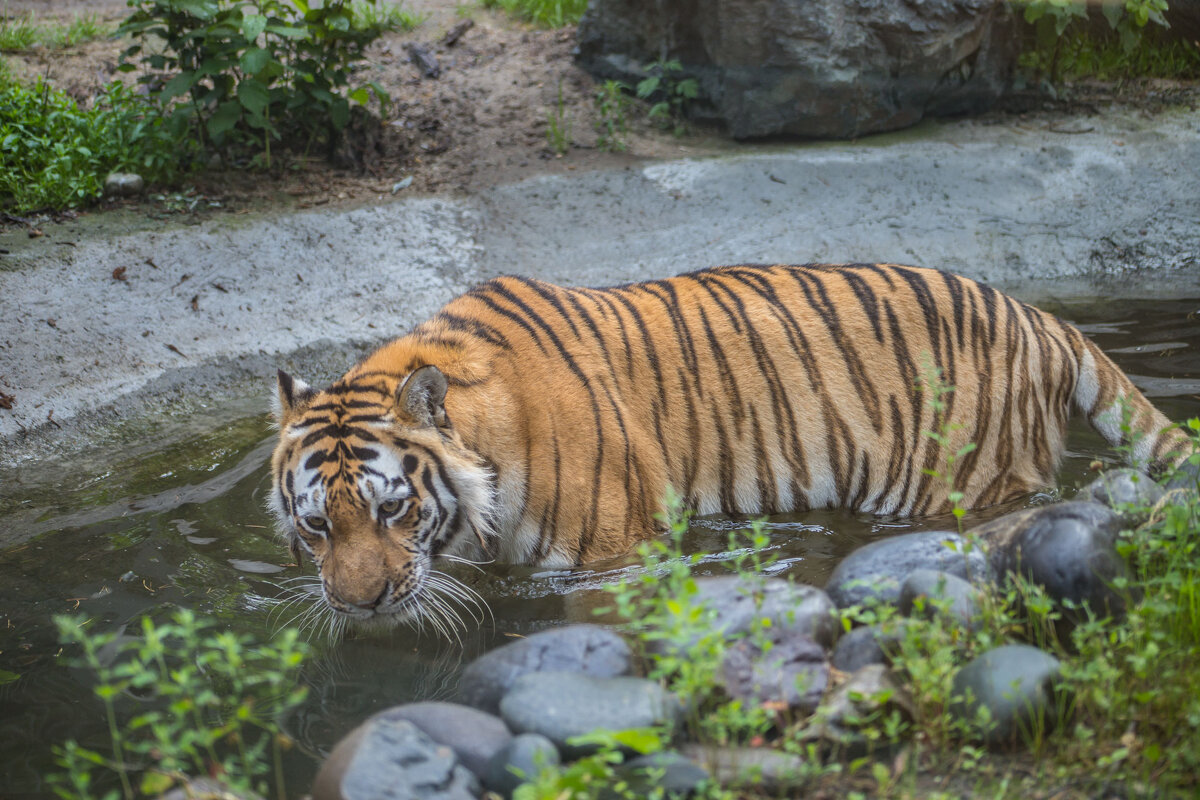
389,506
316,523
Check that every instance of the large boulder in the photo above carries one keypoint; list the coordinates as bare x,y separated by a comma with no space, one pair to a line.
816,68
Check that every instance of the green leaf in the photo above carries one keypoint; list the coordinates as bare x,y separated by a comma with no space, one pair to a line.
225,117
360,96
8,677
253,96
178,85
155,784
253,26
339,113
254,60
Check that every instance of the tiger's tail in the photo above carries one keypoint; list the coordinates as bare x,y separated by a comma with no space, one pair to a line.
1124,417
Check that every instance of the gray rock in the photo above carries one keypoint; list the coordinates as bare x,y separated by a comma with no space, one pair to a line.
1067,548
865,697
738,602
586,649
925,590
876,570
819,68
858,648
1016,684
1129,492
760,768
519,761
673,773
474,735
391,759
123,184
793,671
208,789
563,705
1186,477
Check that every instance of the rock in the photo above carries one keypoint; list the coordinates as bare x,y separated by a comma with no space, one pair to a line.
519,761
391,759
473,735
766,771
1129,492
794,608
207,789
1186,477
423,59
1015,683
793,671
123,184
923,589
817,68
865,698
876,570
1067,548
858,648
563,705
672,773
586,649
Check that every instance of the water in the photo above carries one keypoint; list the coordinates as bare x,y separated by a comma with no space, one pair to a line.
186,525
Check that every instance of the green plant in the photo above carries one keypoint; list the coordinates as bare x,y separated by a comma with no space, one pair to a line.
548,13
247,72
558,126
936,391
670,93
22,33
206,702
53,154
18,33
612,124
381,17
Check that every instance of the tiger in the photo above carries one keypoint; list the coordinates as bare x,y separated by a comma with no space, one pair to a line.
530,423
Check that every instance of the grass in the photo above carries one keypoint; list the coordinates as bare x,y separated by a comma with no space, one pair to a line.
382,16
19,33
547,13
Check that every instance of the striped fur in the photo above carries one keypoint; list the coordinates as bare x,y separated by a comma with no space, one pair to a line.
749,389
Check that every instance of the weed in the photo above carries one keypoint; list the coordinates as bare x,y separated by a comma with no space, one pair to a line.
23,33
54,154
18,33
558,126
936,391
382,17
669,94
612,125
208,703
547,13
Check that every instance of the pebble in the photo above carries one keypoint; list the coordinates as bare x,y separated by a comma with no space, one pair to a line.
585,649
391,759
473,735
563,705
931,592
123,184
761,769
792,671
1016,684
876,570
519,761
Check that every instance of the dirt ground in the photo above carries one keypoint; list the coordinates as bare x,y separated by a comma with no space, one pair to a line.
480,122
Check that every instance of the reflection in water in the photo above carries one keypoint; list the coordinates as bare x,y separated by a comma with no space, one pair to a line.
187,526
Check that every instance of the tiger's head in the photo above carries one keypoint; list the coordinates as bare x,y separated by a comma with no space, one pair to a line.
372,481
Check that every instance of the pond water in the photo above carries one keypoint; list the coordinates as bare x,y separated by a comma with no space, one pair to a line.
186,525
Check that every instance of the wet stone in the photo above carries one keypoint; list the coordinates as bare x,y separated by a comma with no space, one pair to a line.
932,592
760,768
391,759
738,603
123,184
673,773
563,705
1069,549
877,570
585,649
868,644
1129,492
793,671
473,735
1015,683
520,760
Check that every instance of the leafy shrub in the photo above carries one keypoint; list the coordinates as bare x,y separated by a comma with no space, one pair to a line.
247,73
208,702
54,154
669,93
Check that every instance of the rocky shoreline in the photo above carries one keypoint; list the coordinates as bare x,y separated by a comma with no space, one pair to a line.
538,702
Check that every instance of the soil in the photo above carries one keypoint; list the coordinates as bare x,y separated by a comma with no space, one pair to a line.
481,122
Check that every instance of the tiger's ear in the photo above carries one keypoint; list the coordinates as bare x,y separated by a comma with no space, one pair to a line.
291,397
421,396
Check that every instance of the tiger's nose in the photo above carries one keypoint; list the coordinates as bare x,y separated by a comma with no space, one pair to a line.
371,605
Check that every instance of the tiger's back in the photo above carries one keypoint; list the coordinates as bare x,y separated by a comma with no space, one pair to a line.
751,389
